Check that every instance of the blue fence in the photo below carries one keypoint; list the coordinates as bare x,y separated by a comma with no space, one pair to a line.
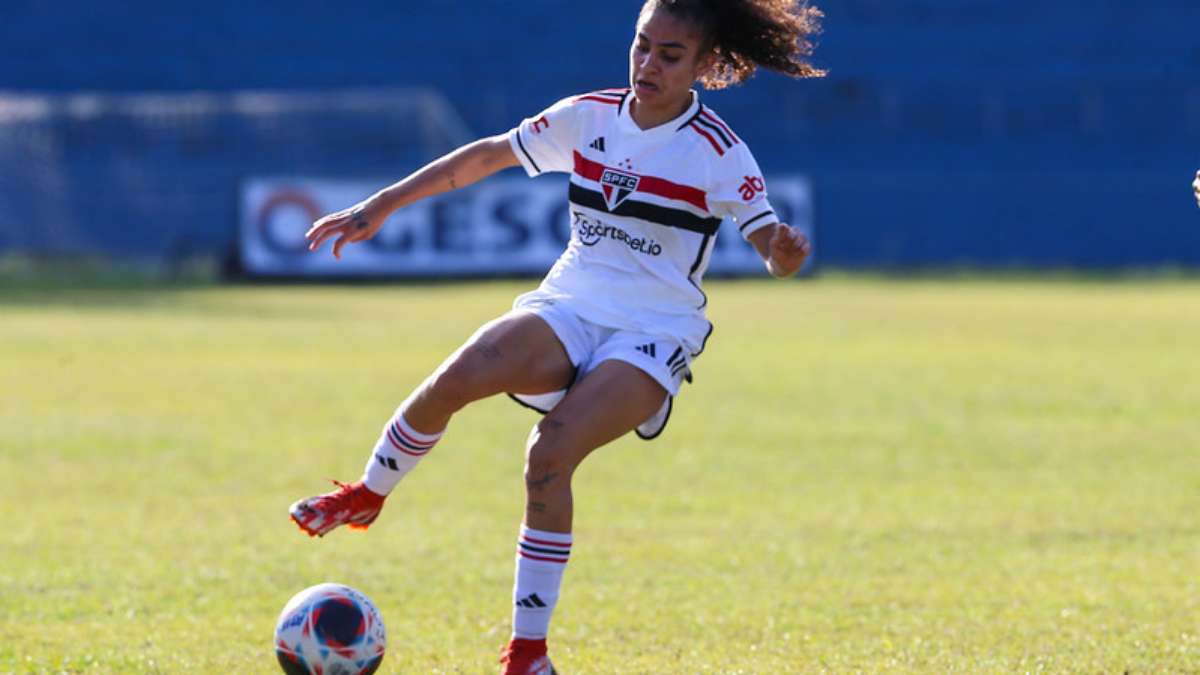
949,131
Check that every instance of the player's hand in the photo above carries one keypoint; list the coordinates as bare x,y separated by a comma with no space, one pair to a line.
357,223
788,249
1196,188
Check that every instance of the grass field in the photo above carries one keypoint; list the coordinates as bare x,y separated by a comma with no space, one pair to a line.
868,475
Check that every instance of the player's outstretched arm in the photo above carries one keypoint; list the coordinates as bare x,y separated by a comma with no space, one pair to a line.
782,247
469,164
1196,188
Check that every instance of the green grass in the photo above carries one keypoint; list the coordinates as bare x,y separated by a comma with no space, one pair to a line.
868,475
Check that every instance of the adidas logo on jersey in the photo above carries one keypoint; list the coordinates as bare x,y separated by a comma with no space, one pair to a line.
531,601
598,144
648,350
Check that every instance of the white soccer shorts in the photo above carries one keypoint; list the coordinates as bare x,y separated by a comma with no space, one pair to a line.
588,345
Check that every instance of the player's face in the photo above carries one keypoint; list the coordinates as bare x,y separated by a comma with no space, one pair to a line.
665,60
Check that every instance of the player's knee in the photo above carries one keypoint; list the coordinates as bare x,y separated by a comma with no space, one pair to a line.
548,462
455,384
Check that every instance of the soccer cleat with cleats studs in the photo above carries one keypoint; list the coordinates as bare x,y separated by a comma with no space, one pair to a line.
526,657
351,504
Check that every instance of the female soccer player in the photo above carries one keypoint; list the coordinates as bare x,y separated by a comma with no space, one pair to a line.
603,344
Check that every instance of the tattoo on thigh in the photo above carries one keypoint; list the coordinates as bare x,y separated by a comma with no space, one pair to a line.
488,350
538,484
549,424
536,507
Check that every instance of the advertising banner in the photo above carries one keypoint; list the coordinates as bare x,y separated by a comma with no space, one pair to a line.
503,226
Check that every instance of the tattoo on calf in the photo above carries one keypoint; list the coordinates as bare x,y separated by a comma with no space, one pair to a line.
536,507
538,484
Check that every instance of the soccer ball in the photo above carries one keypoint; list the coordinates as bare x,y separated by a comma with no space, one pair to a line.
329,629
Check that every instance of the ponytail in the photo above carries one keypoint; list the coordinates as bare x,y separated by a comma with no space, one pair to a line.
745,35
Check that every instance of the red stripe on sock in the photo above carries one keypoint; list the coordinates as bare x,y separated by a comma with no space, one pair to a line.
410,439
398,444
547,543
538,557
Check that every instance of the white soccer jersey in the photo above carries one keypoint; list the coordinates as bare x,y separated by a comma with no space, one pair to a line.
645,206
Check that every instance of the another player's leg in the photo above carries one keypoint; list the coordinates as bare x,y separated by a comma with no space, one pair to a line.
518,352
606,404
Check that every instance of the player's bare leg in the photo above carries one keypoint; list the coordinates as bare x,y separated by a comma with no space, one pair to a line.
517,353
605,405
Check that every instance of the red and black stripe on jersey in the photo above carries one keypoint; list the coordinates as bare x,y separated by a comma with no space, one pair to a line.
634,208
716,132
610,96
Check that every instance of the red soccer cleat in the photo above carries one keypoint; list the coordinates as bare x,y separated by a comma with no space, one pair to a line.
526,657
351,504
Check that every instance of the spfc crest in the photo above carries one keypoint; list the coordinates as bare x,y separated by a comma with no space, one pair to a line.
617,186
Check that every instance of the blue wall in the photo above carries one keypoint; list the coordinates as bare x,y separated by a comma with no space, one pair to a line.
948,131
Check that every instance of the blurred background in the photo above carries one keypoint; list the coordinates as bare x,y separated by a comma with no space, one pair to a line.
949,133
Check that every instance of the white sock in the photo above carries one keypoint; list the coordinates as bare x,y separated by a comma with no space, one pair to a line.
398,450
541,560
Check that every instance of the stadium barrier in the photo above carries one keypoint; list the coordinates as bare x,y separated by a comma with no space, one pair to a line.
157,176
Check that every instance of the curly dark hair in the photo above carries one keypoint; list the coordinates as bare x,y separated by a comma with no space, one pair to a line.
745,35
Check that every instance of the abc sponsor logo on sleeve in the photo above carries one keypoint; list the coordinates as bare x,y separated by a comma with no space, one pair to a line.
753,187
